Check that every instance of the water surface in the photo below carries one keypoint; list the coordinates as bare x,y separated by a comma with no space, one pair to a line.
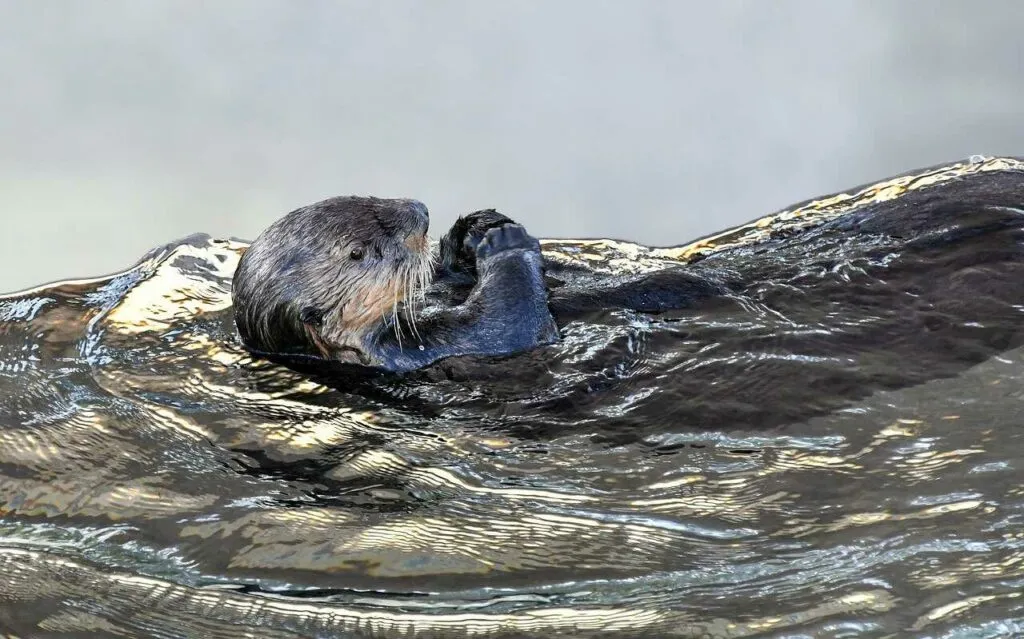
758,466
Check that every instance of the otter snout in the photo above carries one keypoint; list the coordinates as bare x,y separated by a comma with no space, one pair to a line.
417,220
417,217
417,243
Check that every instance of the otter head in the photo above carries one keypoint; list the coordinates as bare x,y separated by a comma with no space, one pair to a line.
323,278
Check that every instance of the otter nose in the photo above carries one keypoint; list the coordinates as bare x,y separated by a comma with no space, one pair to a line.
418,216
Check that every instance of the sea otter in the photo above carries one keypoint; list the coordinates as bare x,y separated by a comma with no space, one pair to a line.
338,281
352,281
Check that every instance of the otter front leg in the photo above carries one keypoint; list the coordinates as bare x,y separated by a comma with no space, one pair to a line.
510,294
505,313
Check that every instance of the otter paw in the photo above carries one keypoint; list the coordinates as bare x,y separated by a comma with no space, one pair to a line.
506,238
474,226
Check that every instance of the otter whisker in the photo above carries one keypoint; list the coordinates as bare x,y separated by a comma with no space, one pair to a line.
410,297
412,323
395,297
419,281
384,319
403,290
389,318
411,294
395,322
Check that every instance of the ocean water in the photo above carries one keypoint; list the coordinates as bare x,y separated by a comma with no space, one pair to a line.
834,450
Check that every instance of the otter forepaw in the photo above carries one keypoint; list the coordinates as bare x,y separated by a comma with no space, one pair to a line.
458,246
506,238
474,226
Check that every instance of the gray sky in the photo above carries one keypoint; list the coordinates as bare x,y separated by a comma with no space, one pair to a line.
125,124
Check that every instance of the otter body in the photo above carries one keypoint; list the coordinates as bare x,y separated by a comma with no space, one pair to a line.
493,291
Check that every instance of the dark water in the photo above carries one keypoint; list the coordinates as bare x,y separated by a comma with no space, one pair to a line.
832,451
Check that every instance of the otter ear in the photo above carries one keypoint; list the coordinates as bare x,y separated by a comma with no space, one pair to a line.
312,319
311,315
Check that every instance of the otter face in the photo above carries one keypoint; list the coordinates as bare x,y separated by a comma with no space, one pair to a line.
320,279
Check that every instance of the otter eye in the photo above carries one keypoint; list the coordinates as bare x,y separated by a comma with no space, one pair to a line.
357,253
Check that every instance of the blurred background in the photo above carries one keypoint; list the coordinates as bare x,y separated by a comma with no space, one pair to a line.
125,124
